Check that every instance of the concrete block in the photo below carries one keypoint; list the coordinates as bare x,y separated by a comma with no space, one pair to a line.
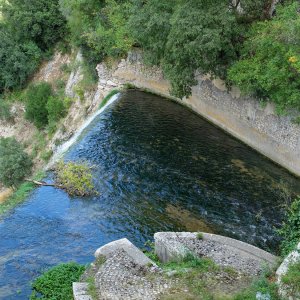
136,254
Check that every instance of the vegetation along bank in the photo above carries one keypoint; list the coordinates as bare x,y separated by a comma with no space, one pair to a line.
249,44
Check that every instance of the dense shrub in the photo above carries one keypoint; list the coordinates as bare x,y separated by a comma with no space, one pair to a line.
5,113
38,21
43,107
15,164
150,25
99,27
57,282
202,37
270,64
28,29
290,230
36,103
18,60
75,178
55,108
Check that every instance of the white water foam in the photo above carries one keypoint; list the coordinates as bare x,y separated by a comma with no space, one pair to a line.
61,150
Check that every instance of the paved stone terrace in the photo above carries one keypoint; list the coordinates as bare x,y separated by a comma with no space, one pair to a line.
224,251
123,272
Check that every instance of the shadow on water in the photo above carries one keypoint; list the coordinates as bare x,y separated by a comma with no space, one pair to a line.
159,167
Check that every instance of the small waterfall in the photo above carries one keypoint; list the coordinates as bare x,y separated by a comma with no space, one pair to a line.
65,146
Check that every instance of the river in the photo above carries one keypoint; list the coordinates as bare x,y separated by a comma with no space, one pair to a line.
157,167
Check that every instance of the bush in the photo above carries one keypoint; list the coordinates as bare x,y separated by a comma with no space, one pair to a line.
99,27
56,284
15,163
263,286
290,230
39,21
75,178
55,108
203,37
36,103
150,25
28,30
270,64
18,60
5,113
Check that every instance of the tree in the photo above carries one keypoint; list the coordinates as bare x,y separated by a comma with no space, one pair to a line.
269,67
55,109
15,163
17,59
39,21
203,37
150,25
99,28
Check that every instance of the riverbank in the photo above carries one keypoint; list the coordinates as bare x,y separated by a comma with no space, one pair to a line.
61,70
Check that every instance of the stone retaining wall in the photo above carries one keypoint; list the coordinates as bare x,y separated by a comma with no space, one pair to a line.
260,127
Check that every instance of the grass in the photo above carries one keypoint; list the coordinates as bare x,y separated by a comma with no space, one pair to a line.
292,278
263,285
108,96
191,262
92,291
197,279
22,192
199,235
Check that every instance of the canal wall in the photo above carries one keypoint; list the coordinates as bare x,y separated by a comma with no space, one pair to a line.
276,137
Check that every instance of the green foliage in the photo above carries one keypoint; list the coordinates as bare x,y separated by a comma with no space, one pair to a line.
150,25
43,107
290,230
28,29
263,285
36,103
46,155
108,97
38,21
92,291
199,235
57,282
18,60
191,262
15,163
98,27
76,179
149,251
270,63
5,113
203,37
55,109
292,278
20,194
